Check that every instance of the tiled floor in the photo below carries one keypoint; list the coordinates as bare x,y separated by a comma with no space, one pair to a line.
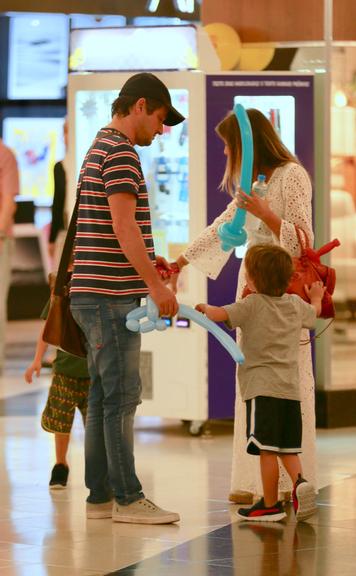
43,533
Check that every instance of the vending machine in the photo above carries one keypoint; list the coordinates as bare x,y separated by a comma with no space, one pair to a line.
288,102
174,363
186,373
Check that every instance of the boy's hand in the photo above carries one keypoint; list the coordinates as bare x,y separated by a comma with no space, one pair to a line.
214,313
315,291
34,367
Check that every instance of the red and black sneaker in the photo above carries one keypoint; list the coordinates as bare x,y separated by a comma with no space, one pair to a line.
303,499
260,513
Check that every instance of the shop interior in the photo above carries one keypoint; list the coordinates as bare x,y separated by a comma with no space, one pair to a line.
46,533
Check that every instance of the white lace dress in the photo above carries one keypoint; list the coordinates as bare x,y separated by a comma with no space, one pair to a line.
289,196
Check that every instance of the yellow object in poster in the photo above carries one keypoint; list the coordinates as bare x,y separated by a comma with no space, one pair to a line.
226,42
256,56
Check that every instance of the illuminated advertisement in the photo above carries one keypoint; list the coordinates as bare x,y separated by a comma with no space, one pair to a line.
110,49
280,111
38,145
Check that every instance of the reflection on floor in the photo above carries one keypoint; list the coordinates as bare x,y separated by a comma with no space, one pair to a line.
47,534
322,546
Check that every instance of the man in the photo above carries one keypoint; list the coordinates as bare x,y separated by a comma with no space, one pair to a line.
114,267
9,188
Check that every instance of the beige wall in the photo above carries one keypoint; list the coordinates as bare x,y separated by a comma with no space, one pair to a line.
281,20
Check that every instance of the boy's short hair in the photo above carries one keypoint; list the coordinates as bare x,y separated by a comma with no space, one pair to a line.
270,268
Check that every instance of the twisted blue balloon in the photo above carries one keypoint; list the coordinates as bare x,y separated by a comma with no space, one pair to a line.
154,322
233,233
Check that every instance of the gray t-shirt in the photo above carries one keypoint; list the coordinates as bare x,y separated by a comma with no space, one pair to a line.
270,327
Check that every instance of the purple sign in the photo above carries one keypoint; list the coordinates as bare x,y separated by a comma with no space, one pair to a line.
287,100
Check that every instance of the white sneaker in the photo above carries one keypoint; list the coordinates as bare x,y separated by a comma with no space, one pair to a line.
98,511
303,499
143,512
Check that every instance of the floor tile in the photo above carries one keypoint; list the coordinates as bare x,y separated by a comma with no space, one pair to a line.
47,533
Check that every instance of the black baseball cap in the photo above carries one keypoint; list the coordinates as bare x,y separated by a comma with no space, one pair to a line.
147,85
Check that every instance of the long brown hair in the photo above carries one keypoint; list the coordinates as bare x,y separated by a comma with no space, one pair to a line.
268,149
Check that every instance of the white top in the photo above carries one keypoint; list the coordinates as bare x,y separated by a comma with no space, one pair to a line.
289,196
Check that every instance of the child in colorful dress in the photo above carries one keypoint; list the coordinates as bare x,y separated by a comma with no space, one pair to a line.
68,391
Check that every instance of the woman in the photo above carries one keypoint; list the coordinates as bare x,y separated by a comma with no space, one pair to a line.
287,203
59,218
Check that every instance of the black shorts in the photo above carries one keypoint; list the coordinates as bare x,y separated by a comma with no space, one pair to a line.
273,424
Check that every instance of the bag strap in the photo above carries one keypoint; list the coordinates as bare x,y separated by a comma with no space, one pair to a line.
61,279
303,245
309,340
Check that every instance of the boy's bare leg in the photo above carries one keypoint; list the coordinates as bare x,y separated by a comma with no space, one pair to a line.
291,463
270,476
61,443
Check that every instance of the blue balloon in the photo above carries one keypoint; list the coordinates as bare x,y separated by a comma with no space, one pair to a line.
233,233
154,322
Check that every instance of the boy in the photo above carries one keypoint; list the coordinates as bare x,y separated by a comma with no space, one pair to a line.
271,321
69,390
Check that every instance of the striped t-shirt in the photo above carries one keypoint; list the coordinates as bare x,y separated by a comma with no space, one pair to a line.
111,166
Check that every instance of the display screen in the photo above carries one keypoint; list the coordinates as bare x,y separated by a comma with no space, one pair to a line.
165,164
38,56
280,111
38,145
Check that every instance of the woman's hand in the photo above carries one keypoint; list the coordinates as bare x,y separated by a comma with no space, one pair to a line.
254,204
177,267
173,282
259,207
163,268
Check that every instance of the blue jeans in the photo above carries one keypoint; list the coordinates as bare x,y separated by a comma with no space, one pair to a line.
114,393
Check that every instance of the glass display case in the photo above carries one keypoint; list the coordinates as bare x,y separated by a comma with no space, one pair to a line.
343,214
334,67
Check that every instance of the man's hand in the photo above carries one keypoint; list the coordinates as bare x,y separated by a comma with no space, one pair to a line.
165,300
